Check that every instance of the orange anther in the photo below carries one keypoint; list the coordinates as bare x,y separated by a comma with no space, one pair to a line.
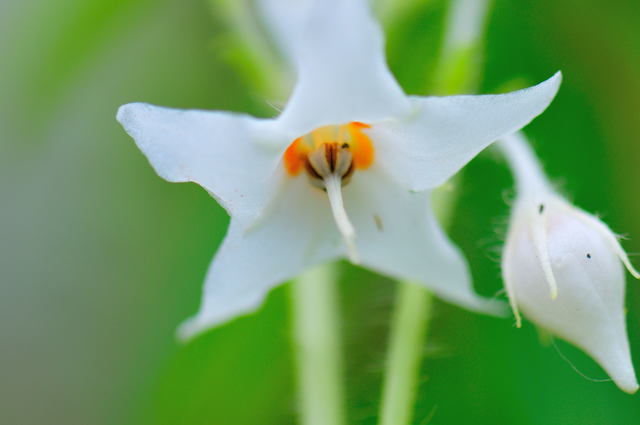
361,147
295,156
349,136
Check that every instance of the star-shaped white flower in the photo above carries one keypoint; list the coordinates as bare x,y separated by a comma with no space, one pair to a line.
348,129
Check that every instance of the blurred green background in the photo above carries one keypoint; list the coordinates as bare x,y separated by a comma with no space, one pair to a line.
100,259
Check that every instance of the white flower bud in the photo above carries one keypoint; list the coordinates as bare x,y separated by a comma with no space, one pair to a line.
563,268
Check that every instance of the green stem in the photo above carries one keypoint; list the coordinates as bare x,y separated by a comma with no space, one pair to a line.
390,12
456,73
408,334
460,64
250,50
317,347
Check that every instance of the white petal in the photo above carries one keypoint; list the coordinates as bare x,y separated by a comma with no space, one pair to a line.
610,237
342,73
297,232
233,156
589,308
398,235
444,133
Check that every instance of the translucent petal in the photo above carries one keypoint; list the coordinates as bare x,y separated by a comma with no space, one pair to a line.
444,133
342,73
398,235
233,156
297,231
284,20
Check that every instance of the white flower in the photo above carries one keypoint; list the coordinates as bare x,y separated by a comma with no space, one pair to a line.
347,124
564,269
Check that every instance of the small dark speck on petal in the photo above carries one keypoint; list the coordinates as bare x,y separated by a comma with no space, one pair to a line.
588,255
541,208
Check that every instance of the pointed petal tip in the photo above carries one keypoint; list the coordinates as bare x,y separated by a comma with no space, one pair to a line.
192,328
188,330
631,389
552,84
615,359
625,378
123,112
215,314
488,306
127,112
627,382
555,80
547,88
496,308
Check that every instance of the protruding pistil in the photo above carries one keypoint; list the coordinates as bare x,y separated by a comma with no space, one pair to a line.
329,168
330,156
333,186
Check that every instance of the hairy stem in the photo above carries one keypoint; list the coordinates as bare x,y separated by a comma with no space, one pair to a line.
408,332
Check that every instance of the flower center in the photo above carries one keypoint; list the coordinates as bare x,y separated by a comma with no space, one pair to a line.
330,159
333,149
330,155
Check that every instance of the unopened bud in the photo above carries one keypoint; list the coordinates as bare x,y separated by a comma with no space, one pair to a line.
563,268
